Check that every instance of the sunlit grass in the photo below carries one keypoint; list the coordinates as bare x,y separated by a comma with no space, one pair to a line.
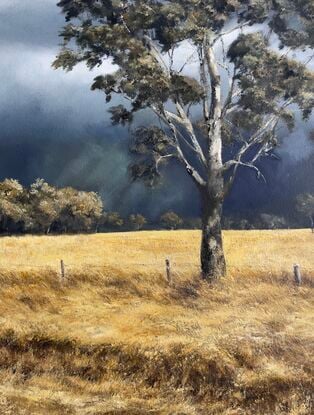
114,338
270,251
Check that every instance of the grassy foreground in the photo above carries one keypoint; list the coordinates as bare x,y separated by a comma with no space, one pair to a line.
114,338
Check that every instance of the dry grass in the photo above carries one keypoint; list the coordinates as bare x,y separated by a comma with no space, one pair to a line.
114,338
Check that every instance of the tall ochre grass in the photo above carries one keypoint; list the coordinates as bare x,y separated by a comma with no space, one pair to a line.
115,338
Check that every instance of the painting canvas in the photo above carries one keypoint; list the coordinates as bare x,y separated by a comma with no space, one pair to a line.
156,207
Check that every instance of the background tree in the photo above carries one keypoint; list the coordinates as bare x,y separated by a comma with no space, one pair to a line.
242,224
79,211
13,212
147,40
228,222
193,223
170,220
270,221
136,221
112,221
42,208
305,205
43,205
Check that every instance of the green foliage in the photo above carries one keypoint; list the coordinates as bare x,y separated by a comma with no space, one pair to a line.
267,80
270,221
136,221
293,22
42,208
305,204
13,211
112,220
120,115
149,145
141,38
147,140
78,211
185,89
170,220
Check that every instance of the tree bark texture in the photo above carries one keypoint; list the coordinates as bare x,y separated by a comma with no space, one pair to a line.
213,263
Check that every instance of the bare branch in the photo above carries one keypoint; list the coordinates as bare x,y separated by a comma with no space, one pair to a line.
254,140
187,62
183,119
186,141
190,129
178,120
228,32
285,54
205,85
249,165
191,170
175,143
159,159
231,93
171,59
263,150
308,60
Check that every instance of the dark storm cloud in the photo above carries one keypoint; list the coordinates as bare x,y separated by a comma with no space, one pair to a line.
53,126
31,22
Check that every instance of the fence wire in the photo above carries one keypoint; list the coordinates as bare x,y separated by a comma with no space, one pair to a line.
160,265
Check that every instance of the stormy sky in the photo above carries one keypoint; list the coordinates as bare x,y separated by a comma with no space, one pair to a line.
54,127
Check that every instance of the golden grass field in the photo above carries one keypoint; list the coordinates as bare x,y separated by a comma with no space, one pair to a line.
114,338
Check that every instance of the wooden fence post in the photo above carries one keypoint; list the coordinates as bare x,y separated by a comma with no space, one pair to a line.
62,270
168,271
297,274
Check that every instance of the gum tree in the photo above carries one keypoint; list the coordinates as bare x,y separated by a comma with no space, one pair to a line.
170,220
136,221
146,40
44,206
305,205
13,214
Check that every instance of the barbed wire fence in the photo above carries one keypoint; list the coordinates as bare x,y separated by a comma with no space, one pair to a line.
170,267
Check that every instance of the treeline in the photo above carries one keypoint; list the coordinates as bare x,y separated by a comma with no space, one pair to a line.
43,208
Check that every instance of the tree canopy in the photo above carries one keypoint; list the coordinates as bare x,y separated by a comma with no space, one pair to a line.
171,220
141,38
42,207
136,221
171,58
305,205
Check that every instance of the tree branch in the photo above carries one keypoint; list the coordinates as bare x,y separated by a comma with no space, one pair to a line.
190,169
159,159
155,53
249,165
180,155
186,122
271,123
187,62
254,140
175,117
205,85
231,93
228,32
215,141
182,118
